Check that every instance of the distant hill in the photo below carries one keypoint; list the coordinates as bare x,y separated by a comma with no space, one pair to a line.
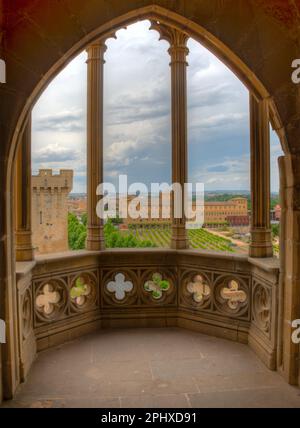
216,196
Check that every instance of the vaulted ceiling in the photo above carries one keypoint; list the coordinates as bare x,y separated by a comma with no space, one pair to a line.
36,35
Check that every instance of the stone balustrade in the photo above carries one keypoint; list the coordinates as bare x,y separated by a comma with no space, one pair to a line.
65,295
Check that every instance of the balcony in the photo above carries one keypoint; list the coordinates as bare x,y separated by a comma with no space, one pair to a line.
192,303
167,367
89,307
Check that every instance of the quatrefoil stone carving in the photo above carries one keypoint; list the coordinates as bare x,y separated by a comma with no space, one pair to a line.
198,288
80,291
48,299
157,285
233,295
119,286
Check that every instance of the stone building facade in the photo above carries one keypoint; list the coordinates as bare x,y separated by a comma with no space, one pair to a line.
234,211
77,205
156,209
50,210
226,211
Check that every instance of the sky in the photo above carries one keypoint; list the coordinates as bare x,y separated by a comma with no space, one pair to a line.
137,117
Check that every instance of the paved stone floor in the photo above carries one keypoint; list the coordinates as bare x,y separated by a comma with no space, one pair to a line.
152,368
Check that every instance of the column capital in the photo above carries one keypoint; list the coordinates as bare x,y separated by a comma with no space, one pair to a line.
96,51
177,39
97,48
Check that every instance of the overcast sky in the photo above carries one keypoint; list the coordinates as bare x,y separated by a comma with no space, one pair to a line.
137,117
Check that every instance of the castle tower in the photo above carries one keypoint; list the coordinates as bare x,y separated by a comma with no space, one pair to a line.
50,210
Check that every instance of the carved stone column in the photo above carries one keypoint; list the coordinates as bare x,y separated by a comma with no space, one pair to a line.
178,52
282,243
290,264
24,249
261,236
95,69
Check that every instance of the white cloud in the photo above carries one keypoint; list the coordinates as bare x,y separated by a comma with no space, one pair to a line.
63,121
137,132
220,120
118,150
55,153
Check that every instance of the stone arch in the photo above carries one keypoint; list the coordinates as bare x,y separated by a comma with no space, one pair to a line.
196,31
249,53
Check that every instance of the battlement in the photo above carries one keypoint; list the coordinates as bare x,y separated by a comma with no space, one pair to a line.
45,179
50,210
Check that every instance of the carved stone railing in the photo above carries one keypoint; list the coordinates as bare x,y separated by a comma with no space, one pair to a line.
63,296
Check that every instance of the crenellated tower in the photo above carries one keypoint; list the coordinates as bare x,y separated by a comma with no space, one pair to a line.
50,210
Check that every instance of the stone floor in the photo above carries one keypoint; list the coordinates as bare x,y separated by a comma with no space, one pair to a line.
152,368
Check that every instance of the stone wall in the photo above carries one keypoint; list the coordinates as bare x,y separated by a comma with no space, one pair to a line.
50,210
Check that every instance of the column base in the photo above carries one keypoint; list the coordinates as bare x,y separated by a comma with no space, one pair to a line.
95,239
261,243
95,245
24,248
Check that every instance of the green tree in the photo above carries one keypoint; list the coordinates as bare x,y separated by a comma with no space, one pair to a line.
76,232
275,230
117,220
84,219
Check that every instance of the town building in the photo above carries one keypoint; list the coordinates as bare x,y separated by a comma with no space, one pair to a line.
77,205
233,212
275,214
